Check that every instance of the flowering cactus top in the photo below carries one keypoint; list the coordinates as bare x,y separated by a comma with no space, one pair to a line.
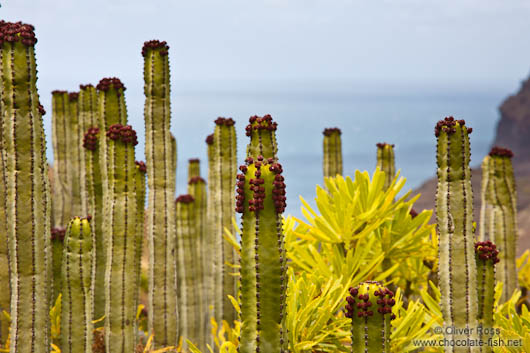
155,44
329,131
224,121
383,144
209,139
501,152
58,91
194,160
448,125
196,180
187,198
260,123
124,133
362,299
486,250
110,82
13,32
73,96
58,233
141,166
88,85
90,139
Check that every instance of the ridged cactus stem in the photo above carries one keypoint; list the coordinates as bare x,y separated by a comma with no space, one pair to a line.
74,147
141,170
454,212
76,308
174,156
370,308
332,152
57,261
498,221
385,162
194,168
261,200
120,229
486,257
27,191
221,189
162,305
209,276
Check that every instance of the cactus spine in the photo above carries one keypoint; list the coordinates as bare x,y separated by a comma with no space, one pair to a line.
221,189
385,162
162,306
498,221
76,319
120,229
332,152
454,212
261,200
27,190
370,330
486,256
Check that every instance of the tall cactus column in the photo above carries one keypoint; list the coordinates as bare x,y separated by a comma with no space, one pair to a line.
385,162
74,147
486,257
120,229
139,178
498,221
454,212
27,191
332,152
162,306
261,200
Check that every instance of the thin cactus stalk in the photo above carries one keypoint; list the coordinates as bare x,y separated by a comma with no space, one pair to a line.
498,221
261,200
76,307
74,147
61,196
332,152
209,237
221,188
174,156
370,309
457,268
194,168
119,228
27,191
486,255
162,305
385,162
57,238
139,178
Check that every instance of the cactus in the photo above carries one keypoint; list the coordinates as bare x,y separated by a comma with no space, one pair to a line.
162,306
139,178
498,214
332,152
261,200
26,191
57,237
76,308
486,255
454,215
74,147
119,228
370,330
223,167
194,168
385,162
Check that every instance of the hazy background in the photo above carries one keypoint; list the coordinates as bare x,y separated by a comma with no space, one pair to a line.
379,70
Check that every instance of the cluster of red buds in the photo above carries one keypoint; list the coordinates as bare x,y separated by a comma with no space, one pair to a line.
330,130
196,180
278,191
256,186
260,123
141,166
209,139
383,144
155,44
187,198
73,96
486,250
385,303
224,121
240,197
88,85
58,233
501,152
90,140
106,83
13,32
58,91
194,160
124,133
41,110
449,126
413,213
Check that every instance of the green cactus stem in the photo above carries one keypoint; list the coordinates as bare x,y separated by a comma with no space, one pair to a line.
74,147
57,236
498,221
221,188
194,168
162,305
119,228
370,309
139,178
76,307
385,162
173,156
332,152
454,212
262,133
209,276
27,190
486,255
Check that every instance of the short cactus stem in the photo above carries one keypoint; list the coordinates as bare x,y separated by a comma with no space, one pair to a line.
385,162
498,214
119,228
332,152
57,237
486,254
27,193
194,168
221,188
262,133
74,146
454,212
370,308
160,161
76,308
261,200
